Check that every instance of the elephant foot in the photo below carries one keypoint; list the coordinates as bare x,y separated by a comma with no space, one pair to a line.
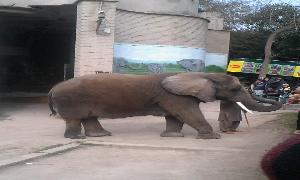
93,128
73,129
171,134
74,136
98,134
212,135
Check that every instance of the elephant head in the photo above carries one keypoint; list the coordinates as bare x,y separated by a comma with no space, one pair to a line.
209,87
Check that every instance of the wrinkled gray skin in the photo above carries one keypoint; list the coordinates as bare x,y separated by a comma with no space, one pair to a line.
84,99
230,116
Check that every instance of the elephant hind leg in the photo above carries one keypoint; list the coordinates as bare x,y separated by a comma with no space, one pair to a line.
73,129
93,128
173,127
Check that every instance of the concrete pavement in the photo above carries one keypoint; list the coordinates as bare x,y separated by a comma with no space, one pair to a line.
135,151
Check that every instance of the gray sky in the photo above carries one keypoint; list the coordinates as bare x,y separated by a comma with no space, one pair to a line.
292,2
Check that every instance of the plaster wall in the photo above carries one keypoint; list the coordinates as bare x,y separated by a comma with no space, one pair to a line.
179,7
93,52
215,18
218,41
143,28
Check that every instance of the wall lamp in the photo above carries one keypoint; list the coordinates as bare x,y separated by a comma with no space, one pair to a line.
102,22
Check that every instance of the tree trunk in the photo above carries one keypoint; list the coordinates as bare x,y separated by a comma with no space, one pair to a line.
268,50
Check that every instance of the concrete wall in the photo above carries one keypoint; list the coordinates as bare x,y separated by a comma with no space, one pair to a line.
93,52
143,28
187,7
156,43
216,21
218,41
182,7
217,48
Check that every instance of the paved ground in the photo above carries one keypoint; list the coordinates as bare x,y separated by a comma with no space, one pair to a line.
135,151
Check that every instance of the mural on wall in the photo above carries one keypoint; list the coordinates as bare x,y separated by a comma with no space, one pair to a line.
145,59
216,62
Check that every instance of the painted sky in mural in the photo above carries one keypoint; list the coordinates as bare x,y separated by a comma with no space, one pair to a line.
156,53
216,59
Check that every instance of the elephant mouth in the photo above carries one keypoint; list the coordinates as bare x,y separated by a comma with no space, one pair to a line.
244,107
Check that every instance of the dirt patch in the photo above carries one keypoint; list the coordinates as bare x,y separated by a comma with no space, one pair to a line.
288,120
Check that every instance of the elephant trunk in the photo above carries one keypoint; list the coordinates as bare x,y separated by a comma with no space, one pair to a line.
256,104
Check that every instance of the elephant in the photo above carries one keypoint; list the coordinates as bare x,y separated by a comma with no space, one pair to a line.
175,96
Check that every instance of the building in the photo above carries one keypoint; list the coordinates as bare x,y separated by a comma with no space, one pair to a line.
42,43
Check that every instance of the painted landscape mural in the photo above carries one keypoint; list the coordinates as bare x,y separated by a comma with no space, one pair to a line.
216,62
146,59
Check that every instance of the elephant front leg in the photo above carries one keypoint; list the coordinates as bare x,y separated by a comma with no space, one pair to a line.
205,131
186,109
173,127
194,117
73,129
93,128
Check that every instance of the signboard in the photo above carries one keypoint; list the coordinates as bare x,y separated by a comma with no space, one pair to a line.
288,70
235,66
297,71
275,68
249,67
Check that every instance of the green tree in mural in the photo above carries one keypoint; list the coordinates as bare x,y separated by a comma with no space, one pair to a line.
214,68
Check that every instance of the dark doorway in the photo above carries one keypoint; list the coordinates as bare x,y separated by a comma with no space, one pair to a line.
36,47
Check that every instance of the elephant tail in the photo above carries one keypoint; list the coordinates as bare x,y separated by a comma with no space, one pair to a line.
50,103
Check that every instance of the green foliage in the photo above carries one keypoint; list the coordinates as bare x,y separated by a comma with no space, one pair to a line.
271,17
251,22
246,15
215,69
287,45
247,44
288,120
129,70
174,68
140,68
232,11
251,44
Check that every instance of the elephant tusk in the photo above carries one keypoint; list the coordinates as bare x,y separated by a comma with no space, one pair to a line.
244,107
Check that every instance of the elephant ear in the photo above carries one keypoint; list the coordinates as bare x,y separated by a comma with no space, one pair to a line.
191,84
